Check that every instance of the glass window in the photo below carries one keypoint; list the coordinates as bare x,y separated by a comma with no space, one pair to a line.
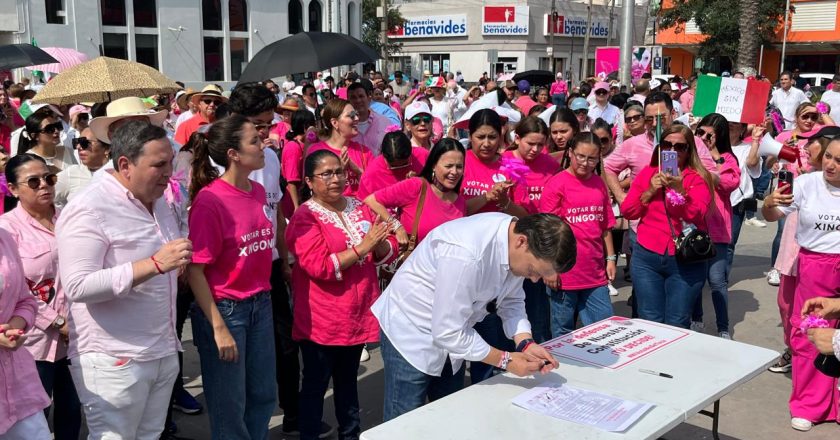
238,57
145,13
55,11
314,16
115,45
211,14
147,49
352,19
213,69
295,17
435,62
113,12
238,15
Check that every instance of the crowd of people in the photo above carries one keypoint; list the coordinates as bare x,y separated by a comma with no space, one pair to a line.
457,226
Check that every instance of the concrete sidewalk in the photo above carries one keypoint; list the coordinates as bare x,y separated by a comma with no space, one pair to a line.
757,410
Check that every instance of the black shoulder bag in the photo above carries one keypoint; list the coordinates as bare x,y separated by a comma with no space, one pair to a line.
694,247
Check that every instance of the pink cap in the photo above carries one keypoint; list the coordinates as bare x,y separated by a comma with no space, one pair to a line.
78,108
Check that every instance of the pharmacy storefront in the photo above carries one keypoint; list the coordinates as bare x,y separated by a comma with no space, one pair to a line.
508,38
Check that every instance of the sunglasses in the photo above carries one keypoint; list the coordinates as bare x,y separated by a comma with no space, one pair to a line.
810,115
703,134
35,182
52,128
678,146
82,143
209,101
601,92
264,126
416,120
604,140
582,111
634,118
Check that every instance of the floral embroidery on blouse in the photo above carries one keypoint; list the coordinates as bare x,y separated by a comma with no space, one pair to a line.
352,215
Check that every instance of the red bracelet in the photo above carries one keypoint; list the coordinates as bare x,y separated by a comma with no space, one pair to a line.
526,346
356,252
157,266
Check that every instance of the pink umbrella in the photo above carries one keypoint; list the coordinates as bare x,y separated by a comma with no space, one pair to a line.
67,58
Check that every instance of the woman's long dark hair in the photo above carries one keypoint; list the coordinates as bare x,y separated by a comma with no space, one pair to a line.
720,125
396,146
442,147
302,120
32,128
225,134
485,117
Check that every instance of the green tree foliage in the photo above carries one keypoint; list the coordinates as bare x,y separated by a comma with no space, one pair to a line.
719,20
372,26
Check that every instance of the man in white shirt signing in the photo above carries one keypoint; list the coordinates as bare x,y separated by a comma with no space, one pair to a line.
444,288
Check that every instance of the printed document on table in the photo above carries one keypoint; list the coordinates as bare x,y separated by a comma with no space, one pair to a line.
582,406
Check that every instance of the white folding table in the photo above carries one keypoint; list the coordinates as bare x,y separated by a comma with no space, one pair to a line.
704,369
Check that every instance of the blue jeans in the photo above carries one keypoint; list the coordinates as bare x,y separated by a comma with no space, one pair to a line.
242,395
633,239
718,275
320,364
559,99
591,304
406,388
665,289
538,310
58,383
490,329
738,217
777,241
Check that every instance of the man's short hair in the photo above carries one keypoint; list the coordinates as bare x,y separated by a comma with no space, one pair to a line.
550,239
359,85
307,87
129,139
251,99
786,72
657,97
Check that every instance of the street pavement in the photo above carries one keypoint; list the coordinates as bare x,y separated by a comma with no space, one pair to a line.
756,410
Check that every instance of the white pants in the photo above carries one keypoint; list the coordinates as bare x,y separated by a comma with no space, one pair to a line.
33,427
124,400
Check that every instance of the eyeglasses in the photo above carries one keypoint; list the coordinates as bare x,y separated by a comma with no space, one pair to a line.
586,159
35,182
209,101
416,120
328,175
82,143
260,126
810,115
52,128
705,135
678,146
601,92
581,111
630,119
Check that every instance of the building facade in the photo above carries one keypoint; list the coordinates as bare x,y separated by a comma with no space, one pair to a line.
812,44
497,37
194,41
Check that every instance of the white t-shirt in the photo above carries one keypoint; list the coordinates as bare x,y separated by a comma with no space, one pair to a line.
609,113
832,98
745,189
787,102
818,228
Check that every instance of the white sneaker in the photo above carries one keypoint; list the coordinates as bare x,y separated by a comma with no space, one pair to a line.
774,278
697,326
801,424
725,335
754,221
365,355
613,290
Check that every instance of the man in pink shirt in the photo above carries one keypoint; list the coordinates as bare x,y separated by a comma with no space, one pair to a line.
372,125
120,251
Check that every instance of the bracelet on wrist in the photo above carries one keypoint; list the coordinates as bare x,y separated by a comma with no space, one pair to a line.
612,257
523,344
358,255
504,361
157,265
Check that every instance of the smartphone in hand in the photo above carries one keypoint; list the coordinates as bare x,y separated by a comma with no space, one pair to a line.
786,177
669,163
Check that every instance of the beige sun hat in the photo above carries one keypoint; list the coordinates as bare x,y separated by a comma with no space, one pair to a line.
120,109
208,90
183,96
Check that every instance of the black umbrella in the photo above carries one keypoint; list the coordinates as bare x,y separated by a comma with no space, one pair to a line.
535,77
306,52
13,56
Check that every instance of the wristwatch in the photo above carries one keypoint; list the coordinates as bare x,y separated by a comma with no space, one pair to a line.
59,322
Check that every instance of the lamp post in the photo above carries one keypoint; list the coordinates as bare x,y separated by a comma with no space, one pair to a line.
552,19
627,43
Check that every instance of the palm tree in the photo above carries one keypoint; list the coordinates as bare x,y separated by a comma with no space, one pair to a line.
750,36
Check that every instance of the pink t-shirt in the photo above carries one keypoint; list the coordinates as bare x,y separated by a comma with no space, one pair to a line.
291,162
232,234
480,178
405,195
585,205
379,175
542,168
359,154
